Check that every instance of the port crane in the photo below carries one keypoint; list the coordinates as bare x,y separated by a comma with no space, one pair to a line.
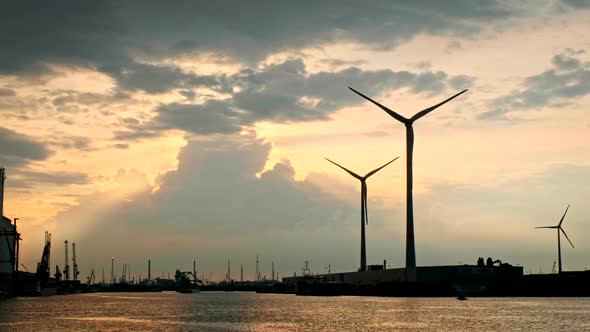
75,271
90,280
66,265
124,274
43,266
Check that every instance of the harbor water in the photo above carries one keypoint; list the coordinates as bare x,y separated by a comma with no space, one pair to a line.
221,311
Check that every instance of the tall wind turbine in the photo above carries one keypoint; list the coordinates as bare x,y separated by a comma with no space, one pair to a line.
559,228
364,213
410,246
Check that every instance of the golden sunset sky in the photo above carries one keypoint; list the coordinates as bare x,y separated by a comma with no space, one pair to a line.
198,130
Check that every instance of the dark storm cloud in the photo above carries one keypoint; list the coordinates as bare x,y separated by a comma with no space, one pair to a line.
17,149
214,197
107,34
569,78
157,79
285,92
211,117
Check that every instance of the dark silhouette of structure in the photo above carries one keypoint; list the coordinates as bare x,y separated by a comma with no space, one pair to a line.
67,263
559,228
43,271
410,246
364,213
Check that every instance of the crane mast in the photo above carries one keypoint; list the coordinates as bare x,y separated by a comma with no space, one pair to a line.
66,265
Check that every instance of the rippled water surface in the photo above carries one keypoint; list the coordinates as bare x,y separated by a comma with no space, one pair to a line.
212,311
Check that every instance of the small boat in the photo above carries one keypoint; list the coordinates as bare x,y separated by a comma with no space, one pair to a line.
461,297
189,290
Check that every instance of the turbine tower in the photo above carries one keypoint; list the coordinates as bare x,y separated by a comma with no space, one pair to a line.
559,228
410,246
364,213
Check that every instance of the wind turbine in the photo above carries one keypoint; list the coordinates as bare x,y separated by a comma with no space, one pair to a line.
364,213
410,246
559,228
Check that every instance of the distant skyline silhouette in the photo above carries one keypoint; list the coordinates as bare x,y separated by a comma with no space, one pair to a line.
196,131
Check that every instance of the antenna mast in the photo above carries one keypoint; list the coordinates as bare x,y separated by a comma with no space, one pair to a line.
257,271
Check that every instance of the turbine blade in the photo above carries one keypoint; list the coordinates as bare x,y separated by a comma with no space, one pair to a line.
347,170
567,208
568,239
364,194
378,169
387,110
548,227
432,108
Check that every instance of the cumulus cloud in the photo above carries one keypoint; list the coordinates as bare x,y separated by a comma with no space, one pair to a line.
212,206
568,78
286,92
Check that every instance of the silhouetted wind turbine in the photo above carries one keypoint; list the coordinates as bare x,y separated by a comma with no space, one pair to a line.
559,228
410,246
364,212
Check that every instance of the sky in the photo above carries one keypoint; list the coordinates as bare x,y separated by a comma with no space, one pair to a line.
197,131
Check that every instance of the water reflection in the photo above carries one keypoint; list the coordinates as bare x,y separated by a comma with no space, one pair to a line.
266,312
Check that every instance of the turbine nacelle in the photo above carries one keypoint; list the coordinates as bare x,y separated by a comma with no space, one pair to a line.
368,175
363,180
559,228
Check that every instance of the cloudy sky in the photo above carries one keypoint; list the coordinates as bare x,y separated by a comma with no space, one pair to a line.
192,130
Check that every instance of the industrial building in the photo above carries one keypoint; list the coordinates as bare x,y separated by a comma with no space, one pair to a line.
9,238
427,281
424,274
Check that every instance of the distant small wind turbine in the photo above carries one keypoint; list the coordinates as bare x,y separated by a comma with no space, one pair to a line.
559,228
410,246
364,212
